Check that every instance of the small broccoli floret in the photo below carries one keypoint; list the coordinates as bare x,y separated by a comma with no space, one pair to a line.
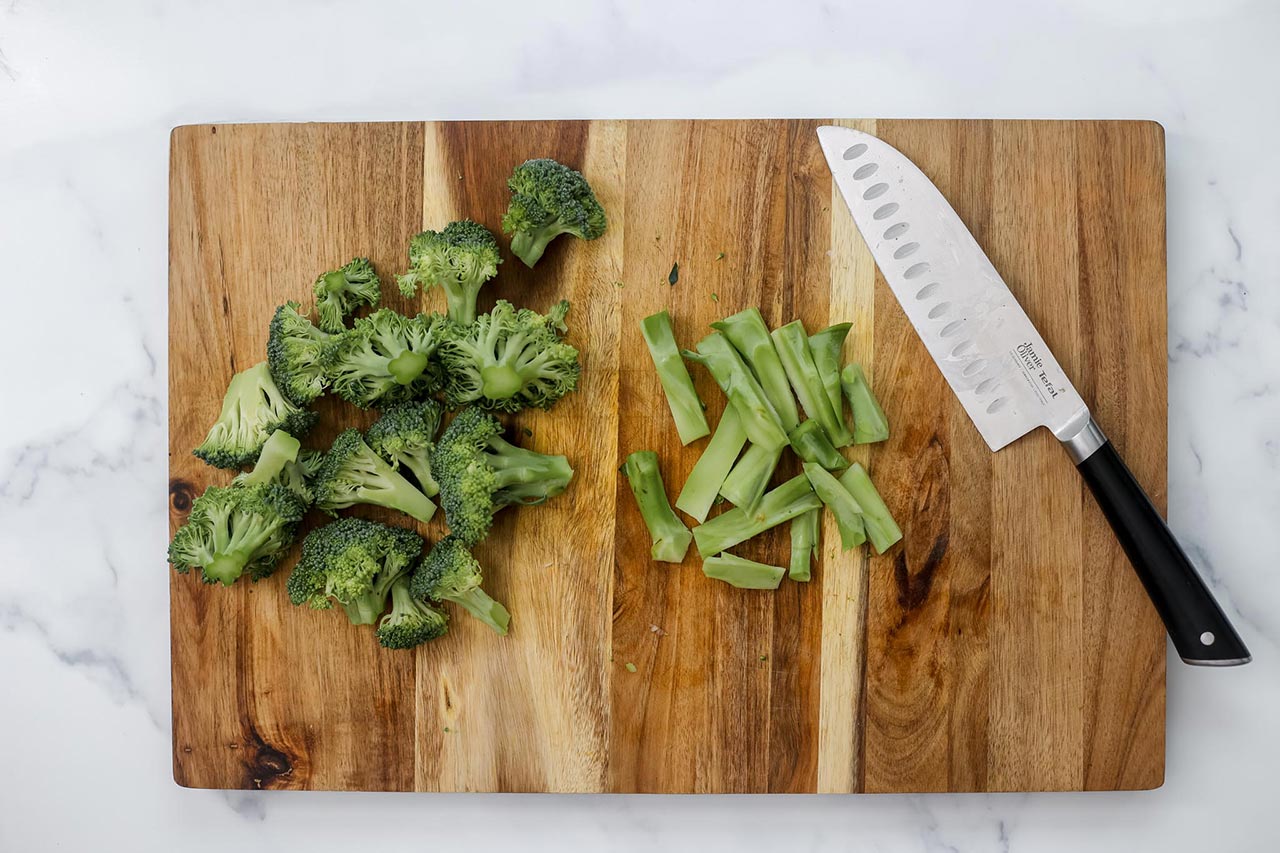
283,461
451,573
352,473
460,259
411,622
508,360
405,436
253,408
296,355
549,199
237,529
480,473
340,292
385,358
355,563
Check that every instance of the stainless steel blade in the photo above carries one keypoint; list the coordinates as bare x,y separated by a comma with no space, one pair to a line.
983,342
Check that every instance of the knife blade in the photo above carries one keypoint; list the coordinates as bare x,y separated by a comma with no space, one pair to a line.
1004,374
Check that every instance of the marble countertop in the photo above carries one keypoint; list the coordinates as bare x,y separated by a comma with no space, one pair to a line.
88,93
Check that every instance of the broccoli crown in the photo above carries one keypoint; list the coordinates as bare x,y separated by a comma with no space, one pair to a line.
296,355
549,199
385,358
460,259
451,573
340,292
404,436
509,359
237,529
351,473
411,621
354,562
253,408
479,473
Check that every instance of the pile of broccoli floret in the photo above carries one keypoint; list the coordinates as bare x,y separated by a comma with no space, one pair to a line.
418,371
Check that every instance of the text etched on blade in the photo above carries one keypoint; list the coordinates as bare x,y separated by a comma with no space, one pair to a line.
1033,366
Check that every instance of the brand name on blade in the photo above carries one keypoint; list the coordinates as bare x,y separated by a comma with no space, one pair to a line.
1035,366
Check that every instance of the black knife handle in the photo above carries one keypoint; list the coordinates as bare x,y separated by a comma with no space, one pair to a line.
1196,624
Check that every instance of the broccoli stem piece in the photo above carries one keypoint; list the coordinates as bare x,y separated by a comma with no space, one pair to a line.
747,481
713,466
797,359
804,544
478,603
882,530
811,443
826,347
841,502
669,534
750,337
783,503
740,386
743,573
523,475
682,399
869,422
279,450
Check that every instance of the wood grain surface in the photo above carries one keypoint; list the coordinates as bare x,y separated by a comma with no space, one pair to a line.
1004,645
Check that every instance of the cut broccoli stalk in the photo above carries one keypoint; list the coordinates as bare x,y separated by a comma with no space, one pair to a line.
826,347
811,443
783,503
797,359
740,386
840,501
713,466
882,530
750,337
743,573
669,534
353,474
682,399
279,450
805,539
869,422
747,481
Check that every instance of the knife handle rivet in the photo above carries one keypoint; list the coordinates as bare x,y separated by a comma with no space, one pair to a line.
1207,638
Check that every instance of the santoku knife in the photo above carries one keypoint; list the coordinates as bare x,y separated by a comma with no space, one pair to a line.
1003,374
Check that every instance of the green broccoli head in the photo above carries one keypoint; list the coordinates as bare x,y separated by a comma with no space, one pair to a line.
411,621
460,259
405,435
385,358
509,360
549,199
352,473
353,562
451,573
237,529
296,355
340,292
252,409
480,473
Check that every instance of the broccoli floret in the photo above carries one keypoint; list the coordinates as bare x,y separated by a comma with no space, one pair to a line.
253,408
451,573
411,622
508,360
237,529
283,461
353,562
340,292
296,355
352,473
549,199
460,259
385,358
480,473
405,435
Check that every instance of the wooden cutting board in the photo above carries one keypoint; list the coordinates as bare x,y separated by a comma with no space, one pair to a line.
1005,645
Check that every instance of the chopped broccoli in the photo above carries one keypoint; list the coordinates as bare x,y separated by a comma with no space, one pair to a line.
750,337
743,573
460,259
480,473
667,532
340,292
283,461
826,347
783,503
869,423
411,622
404,436
509,360
747,481
805,538
797,359
296,355
812,444
882,530
682,399
352,473
386,358
847,511
743,390
253,408
237,529
451,573
549,199
355,563
713,466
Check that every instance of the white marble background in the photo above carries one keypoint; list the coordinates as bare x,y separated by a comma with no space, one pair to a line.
88,92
